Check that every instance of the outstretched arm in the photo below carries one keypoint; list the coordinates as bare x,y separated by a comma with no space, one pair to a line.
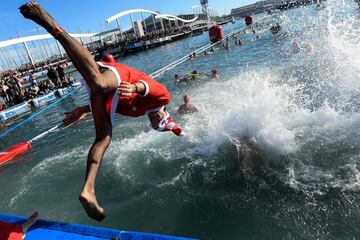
79,55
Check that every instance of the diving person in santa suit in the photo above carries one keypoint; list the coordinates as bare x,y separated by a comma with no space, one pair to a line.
113,88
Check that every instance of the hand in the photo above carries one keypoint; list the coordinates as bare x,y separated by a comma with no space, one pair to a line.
73,116
33,11
126,89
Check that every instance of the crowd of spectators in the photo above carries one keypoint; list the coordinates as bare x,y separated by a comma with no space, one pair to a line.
15,89
25,69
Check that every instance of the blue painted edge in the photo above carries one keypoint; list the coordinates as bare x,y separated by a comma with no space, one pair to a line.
64,227
126,235
105,233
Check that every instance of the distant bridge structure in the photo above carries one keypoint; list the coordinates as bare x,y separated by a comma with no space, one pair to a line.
24,40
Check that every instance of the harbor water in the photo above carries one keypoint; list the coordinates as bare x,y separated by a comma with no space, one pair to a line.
273,153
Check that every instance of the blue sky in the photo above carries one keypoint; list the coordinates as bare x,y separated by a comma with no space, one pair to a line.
88,15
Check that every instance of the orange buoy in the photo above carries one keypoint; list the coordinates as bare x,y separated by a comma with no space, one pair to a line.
11,152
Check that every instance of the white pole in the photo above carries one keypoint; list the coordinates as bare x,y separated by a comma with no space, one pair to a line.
118,25
11,59
49,46
142,17
154,23
59,48
44,47
82,43
28,53
132,23
5,58
27,50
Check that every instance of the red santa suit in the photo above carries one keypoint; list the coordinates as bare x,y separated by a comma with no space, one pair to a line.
155,97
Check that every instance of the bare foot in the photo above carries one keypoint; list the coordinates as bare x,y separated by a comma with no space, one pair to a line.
33,10
91,206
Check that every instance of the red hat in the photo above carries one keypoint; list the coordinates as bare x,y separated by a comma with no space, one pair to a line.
167,124
108,58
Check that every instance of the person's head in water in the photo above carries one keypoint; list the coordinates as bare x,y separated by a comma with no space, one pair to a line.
295,47
214,73
310,48
186,99
275,29
108,58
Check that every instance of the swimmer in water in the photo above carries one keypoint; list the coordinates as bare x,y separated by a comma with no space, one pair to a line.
187,107
112,87
213,49
179,78
214,73
295,47
195,75
227,46
192,77
275,29
310,48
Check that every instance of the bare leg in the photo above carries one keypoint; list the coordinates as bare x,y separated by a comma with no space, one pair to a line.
99,82
79,55
103,137
29,222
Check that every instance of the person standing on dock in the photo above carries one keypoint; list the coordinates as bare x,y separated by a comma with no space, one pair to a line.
60,71
112,88
15,83
52,75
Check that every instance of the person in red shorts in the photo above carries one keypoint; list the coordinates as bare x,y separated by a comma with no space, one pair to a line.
12,231
112,88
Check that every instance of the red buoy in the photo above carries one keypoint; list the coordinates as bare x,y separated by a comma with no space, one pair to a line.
216,33
11,152
248,20
108,58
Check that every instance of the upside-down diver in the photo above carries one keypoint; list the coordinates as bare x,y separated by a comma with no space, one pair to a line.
112,87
